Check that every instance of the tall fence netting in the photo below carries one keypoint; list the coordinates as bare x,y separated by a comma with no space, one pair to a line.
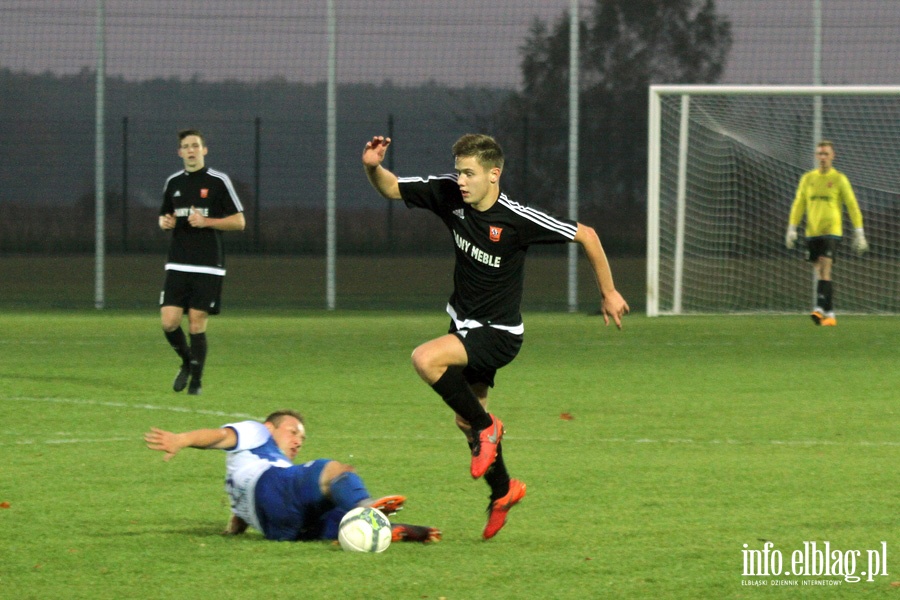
252,76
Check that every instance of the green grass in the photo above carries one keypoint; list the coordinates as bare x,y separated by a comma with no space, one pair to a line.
690,437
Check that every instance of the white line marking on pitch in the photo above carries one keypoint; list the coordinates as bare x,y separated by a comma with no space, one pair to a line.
218,413
68,441
83,402
178,409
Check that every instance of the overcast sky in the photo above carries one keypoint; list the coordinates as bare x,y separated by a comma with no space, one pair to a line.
411,41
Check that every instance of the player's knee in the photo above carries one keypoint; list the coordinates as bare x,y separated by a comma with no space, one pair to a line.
334,469
333,482
418,357
423,362
197,326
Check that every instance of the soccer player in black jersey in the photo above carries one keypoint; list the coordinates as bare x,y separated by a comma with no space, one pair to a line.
199,203
491,235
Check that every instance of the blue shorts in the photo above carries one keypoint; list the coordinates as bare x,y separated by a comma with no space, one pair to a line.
290,505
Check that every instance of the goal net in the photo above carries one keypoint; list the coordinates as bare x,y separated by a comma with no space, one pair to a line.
723,168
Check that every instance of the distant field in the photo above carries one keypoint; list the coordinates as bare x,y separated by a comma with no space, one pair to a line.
689,438
282,282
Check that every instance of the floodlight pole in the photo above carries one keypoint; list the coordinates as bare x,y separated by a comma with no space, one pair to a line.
573,148
817,71
331,169
817,105
99,156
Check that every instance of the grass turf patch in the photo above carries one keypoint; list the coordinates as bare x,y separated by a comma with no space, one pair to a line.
684,439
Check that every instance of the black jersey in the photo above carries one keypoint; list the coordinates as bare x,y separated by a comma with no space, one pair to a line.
198,250
490,248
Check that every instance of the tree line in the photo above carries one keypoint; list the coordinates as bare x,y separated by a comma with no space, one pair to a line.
270,135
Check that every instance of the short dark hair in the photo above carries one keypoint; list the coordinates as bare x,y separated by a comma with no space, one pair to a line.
276,417
828,143
186,132
483,147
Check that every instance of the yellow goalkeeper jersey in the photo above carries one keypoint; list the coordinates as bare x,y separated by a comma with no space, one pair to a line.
821,197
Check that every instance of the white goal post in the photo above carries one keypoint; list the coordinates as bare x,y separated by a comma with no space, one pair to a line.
723,166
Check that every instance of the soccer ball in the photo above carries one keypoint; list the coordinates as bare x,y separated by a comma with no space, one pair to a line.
365,530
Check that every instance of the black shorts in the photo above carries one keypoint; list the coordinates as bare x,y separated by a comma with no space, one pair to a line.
825,245
488,349
200,291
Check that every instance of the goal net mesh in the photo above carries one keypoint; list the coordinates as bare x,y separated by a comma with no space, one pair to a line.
745,156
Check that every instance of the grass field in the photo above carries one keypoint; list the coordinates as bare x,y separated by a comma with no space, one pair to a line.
689,438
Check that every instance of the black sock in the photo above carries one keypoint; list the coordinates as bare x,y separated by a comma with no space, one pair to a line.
497,476
824,291
198,355
455,390
178,341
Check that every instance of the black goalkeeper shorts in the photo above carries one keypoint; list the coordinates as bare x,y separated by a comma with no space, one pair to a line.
825,245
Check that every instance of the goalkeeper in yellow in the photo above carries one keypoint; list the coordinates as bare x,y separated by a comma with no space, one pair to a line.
821,196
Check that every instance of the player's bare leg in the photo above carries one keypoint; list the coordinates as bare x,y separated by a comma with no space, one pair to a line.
432,359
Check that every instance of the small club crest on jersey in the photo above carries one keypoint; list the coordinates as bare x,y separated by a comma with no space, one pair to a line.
495,233
204,192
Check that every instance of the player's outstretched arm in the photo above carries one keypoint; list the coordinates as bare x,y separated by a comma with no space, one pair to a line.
612,303
173,443
381,179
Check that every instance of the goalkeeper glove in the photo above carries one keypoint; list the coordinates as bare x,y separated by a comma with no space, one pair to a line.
859,241
790,238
